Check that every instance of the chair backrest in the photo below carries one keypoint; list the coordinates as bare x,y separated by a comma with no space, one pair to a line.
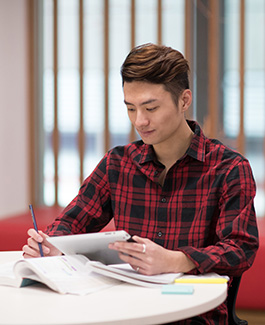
231,303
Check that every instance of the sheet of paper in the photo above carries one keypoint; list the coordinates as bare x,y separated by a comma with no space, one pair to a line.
127,270
124,272
7,276
67,274
6,270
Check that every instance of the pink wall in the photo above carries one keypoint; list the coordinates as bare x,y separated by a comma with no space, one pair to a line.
14,151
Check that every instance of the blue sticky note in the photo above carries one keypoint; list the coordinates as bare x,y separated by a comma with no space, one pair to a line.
177,289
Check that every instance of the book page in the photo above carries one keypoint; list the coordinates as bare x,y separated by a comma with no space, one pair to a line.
65,274
125,272
7,276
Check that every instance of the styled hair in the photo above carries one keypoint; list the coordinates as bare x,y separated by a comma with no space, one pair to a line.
159,65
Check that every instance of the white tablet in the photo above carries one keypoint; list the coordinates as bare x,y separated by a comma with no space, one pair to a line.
92,245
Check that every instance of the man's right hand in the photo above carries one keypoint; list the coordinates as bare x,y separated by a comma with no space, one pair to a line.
32,248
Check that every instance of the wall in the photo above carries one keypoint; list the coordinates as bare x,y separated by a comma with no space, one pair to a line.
14,151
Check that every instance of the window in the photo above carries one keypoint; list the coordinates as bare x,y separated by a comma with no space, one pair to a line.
108,29
253,101
84,43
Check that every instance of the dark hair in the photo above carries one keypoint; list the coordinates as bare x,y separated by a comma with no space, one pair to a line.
159,65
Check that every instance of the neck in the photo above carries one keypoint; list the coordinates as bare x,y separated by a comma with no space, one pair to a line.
171,151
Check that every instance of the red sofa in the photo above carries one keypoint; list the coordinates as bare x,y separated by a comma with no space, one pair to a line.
252,286
13,235
13,230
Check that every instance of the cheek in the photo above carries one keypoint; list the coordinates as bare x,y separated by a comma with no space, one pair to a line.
130,116
167,119
132,119
170,123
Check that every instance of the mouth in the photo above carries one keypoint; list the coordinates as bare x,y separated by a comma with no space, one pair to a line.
145,133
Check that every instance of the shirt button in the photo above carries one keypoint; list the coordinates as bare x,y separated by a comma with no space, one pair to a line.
160,234
156,172
163,200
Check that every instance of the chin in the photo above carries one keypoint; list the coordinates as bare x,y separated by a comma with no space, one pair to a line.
146,141
150,143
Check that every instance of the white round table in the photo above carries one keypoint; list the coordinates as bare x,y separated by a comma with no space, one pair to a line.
121,304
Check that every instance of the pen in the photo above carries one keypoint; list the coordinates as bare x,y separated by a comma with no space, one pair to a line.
201,280
35,227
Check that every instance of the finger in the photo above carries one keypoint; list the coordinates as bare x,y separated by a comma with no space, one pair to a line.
38,237
124,246
34,245
48,248
44,241
133,261
140,268
25,255
128,248
140,239
35,235
136,268
29,252
43,234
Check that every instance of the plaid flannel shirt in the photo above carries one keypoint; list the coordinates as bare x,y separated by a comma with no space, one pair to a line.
204,208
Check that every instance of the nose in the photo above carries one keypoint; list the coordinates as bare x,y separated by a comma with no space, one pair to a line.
141,120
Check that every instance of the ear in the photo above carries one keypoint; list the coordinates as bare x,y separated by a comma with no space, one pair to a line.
185,99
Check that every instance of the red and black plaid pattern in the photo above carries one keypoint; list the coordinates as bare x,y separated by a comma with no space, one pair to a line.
205,207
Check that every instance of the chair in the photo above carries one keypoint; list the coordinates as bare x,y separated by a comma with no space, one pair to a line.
231,303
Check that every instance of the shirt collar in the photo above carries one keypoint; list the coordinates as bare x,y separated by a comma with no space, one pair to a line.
196,149
147,154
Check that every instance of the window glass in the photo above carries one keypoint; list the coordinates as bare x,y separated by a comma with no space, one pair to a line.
231,68
119,124
68,100
93,83
48,103
254,113
254,101
146,21
173,20
119,34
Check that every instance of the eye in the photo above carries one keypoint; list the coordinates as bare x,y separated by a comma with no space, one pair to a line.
151,109
130,109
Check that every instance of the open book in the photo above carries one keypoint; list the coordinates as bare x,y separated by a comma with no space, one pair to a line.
124,272
75,274
63,274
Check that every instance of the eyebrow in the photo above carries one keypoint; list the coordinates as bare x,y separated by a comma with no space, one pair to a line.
143,103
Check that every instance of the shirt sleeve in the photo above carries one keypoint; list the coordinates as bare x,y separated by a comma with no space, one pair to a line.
236,229
90,210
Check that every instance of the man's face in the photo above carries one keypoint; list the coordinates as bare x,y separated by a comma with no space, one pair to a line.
153,112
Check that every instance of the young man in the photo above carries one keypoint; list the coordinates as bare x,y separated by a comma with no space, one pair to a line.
186,199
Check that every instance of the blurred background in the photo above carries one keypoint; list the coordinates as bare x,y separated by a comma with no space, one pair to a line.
61,100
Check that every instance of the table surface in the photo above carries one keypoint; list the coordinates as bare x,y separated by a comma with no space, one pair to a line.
122,304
